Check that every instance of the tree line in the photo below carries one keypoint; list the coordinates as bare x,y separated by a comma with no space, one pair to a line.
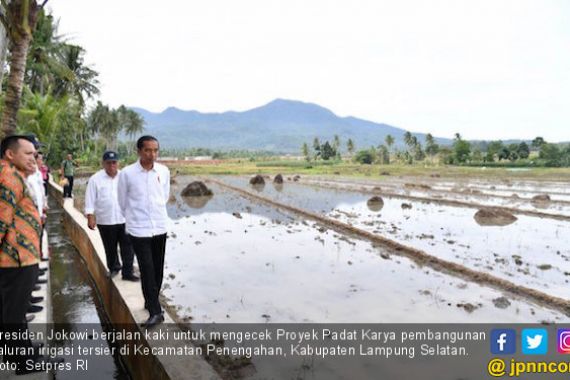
538,152
48,89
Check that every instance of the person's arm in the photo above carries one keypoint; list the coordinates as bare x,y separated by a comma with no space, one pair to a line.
122,191
166,186
7,207
90,198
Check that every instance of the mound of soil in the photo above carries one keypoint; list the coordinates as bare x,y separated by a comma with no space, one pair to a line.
196,189
384,173
494,217
257,180
541,198
375,203
417,186
406,206
540,201
435,175
501,302
197,202
296,178
278,179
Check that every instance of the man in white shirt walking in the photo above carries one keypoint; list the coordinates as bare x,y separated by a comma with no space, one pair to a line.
103,211
144,188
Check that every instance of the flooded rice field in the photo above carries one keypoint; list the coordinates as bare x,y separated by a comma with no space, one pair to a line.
233,259
519,196
530,251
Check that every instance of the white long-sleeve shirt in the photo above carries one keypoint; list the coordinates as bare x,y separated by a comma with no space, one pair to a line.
102,199
143,195
35,184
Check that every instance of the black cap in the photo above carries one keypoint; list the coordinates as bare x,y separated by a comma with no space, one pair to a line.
110,155
34,139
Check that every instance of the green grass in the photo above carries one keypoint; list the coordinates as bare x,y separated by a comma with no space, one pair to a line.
234,167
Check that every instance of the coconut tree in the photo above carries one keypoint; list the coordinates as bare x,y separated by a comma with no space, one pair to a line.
19,18
350,146
408,138
389,140
80,80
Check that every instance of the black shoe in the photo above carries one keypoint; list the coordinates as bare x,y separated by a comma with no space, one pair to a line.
45,259
37,287
36,299
38,365
153,320
34,309
131,277
113,273
41,281
42,271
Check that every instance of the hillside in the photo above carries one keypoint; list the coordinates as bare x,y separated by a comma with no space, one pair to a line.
279,126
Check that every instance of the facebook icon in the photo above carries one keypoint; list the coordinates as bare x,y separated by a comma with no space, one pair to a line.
503,341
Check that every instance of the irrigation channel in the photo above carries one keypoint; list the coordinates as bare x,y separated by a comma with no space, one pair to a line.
75,301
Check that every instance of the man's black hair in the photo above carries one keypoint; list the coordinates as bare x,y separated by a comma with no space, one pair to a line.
12,143
142,139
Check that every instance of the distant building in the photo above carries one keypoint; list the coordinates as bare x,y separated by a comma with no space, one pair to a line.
198,158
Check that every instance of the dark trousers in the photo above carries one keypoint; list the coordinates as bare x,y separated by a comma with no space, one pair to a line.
69,187
150,255
113,235
16,285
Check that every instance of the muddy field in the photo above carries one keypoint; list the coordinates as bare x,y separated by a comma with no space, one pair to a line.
234,258
231,258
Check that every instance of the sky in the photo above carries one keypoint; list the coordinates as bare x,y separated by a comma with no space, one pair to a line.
487,69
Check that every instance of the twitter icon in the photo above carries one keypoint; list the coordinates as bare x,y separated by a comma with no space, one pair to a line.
534,341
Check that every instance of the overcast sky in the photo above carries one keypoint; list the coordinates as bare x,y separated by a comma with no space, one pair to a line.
487,69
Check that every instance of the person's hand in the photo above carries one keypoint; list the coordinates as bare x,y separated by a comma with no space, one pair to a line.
91,223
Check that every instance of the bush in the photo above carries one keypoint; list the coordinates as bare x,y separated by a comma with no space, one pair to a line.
365,156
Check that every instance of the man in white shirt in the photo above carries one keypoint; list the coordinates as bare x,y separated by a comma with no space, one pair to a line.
103,211
144,188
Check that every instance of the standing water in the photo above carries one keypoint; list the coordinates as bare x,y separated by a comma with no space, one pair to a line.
75,302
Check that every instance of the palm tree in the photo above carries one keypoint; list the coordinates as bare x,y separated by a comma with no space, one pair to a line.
82,81
19,19
389,141
408,138
350,146
305,151
131,123
336,142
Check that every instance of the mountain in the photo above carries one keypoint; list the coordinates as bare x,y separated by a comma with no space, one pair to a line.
281,126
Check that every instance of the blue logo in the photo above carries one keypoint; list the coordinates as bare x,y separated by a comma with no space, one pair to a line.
503,341
534,341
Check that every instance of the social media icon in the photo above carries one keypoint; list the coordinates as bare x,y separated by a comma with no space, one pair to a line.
534,341
503,341
563,345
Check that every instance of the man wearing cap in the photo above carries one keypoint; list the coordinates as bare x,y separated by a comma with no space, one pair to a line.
103,211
